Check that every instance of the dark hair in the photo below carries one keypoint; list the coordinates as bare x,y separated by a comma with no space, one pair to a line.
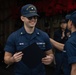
63,21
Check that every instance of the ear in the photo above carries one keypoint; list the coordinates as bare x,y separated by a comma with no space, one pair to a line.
22,18
71,23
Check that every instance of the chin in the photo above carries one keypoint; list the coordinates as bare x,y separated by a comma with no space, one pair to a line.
32,26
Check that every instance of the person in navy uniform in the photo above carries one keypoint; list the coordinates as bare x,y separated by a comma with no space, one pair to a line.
70,45
24,37
60,35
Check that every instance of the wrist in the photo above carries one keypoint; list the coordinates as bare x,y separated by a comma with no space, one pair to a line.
12,59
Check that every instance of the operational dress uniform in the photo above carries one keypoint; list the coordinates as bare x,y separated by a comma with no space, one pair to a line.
70,47
60,56
19,40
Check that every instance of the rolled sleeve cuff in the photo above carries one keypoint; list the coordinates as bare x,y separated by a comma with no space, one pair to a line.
72,60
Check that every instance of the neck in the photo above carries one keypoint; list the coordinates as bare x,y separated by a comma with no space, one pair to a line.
73,29
29,30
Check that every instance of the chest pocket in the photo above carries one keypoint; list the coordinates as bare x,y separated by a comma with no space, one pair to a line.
21,43
41,45
20,46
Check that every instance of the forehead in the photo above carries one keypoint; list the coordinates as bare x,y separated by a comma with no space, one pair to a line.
63,23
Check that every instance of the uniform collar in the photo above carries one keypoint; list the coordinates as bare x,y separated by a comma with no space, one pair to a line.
74,33
23,31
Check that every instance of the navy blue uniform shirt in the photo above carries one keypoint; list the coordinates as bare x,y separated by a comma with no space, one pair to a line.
70,47
20,39
61,56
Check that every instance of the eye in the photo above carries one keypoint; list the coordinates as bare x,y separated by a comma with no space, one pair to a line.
33,17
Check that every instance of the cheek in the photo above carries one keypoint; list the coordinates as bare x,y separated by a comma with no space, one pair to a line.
65,26
69,26
33,21
26,23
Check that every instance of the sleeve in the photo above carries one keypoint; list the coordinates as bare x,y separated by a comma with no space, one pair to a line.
48,43
10,44
71,52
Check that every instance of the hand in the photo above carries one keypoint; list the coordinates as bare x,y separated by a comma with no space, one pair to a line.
68,34
17,57
63,34
48,59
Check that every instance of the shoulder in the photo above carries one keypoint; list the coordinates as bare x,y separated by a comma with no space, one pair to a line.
42,33
72,40
14,34
57,32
